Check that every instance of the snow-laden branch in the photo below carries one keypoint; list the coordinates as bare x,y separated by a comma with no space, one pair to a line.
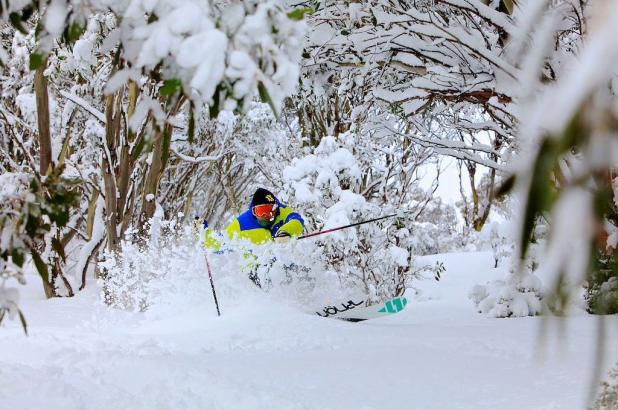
459,150
85,105
197,160
469,157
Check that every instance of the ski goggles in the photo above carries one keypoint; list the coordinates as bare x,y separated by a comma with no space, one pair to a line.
265,212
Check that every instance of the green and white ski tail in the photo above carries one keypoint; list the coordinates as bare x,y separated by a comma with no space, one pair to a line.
356,311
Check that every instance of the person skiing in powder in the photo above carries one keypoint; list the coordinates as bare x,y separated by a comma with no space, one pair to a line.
267,219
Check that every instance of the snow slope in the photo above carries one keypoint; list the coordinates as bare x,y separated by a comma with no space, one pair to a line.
267,354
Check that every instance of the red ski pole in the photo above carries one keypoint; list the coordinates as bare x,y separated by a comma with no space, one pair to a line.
309,235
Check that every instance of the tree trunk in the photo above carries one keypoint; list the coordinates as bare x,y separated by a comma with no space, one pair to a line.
42,110
112,130
160,156
480,220
45,152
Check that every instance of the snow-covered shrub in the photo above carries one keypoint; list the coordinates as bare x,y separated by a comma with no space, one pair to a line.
434,229
515,296
29,210
602,292
601,288
143,271
520,293
607,398
375,259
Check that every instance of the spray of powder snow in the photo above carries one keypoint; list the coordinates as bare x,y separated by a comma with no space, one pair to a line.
168,274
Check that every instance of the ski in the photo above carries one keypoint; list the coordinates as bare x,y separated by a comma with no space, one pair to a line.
357,311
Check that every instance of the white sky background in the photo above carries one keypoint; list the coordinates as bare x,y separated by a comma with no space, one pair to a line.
448,188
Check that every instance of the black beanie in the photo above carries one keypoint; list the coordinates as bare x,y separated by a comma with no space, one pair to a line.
263,196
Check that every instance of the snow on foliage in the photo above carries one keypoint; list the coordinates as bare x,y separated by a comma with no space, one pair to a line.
169,272
29,210
99,84
219,55
375,259
14,193
515,296
569,150
519,293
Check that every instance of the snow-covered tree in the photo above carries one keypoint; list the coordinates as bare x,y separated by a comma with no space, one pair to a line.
435,73
98,91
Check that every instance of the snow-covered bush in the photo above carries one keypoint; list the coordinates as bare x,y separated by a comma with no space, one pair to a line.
149,273
499,238
515,296
375,259
13,191
602,292
96,85
434,229
520,292
30,209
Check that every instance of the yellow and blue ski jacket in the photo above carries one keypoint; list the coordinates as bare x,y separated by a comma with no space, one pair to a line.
246,226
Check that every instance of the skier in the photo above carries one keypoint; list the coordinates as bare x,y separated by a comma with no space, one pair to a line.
266,219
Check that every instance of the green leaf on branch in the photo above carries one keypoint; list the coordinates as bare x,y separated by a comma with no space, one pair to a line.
32,222
540,193
18,257
36,59
170,87
506,187
299,13
213,110
27,12
72,33
265,97
16,21
61,218
139,148
165,149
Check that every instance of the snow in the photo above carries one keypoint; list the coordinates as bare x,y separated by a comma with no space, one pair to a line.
55,17
570,235
264,352
212,66
596,63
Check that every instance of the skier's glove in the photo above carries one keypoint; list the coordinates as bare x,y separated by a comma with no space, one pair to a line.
282,237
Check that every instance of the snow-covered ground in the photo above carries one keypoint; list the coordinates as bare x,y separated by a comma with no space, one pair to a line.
267,354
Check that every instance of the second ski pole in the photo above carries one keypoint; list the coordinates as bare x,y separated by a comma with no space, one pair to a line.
212,284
